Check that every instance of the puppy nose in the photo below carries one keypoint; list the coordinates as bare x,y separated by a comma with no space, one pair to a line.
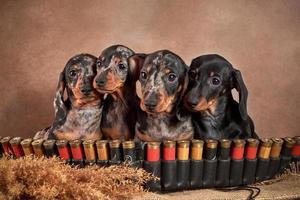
100,82
86,90
151,101
150,104
192,101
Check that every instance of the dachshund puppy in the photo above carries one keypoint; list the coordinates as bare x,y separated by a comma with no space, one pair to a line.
216,114
163,80
79,116
117,77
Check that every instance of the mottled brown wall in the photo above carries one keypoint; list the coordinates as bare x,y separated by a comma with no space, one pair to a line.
261,38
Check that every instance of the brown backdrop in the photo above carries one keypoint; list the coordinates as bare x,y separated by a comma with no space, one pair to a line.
261,38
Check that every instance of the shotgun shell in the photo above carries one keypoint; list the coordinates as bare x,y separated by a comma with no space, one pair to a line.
15,143
6,146
76,149
27,147
276,147
197,149
115,151
37,146
89,150
265,148
153,151
183,149
238,149
224,152
211,149
129,153
169,150
296,147
251,148
63,150
50,148
287,146
102,149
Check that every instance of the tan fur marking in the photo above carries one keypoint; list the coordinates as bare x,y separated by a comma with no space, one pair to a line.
113,82
204,105
167,70
148,68
81,99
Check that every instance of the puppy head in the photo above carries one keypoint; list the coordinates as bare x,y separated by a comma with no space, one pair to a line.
163,78
78,77
210,77
113,69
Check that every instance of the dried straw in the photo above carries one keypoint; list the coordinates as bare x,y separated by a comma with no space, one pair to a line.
41,178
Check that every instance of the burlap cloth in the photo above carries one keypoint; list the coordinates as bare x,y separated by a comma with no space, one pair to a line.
287,187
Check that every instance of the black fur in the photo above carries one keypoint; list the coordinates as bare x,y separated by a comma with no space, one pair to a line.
215,113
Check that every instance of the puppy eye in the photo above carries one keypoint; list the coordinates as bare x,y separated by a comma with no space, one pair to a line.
216,81
172,77
143,75
121,66
98,63
192,74
72,73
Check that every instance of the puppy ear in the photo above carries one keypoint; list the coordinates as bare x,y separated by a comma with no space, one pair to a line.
182,113
138,89
186,82
238,83
59,103
136,62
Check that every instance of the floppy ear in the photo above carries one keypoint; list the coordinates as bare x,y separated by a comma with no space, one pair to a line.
181,112
185,84
238,83
136,62
135,65
59,103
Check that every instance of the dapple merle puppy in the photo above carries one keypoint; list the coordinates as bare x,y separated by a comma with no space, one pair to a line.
215,113
163,80
78,116
116,77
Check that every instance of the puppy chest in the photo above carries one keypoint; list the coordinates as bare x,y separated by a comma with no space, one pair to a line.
114,115
83,121
163,129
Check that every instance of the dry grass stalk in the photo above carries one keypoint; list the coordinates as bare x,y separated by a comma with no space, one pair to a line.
41,178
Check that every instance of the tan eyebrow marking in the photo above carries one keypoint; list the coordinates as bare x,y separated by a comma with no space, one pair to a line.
212,73
148,68
167,71
116,59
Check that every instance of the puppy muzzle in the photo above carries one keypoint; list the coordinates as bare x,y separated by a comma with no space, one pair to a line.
100,80
151,101
86,90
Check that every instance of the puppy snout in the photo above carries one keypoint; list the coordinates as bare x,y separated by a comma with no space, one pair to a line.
86,90
101,79
100,82
151,101
192,100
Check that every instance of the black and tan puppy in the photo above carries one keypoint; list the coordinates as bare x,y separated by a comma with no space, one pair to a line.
216,114
79,116
163,80
117,77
